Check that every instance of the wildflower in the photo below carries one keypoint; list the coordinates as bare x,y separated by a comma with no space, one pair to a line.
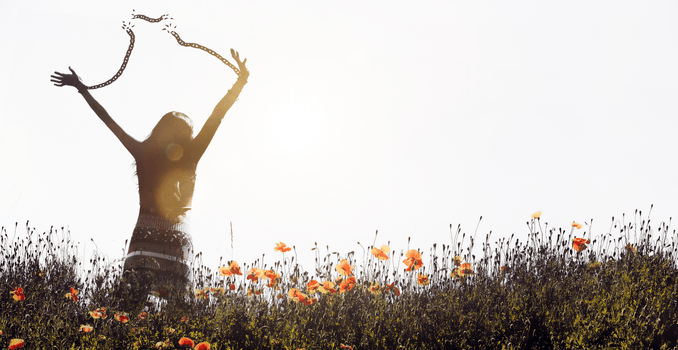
413,260
344,268
629,248
231,287
85,328
184,319
345,347
98,313
297,295
219,290
462,271
273,277
392,288
186,342
505,269
203,346
579,244
143,315
16,343
313,286
457,260
536,215
381,254
225,271
327,287
347,284
18,294
162,345
121,317
235,268
73,294
578,226
255,274
170,330
201,294
375,288
281,247
423,280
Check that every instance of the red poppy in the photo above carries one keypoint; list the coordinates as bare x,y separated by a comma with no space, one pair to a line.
381,254
579,244
16,343
184,319
85,328
578,226
121,317
344,268
423,280
186,342
313,286
255,274
413,260
347,284
282,247
73,294
392,288
143,315
18,294
231,287
273,277
203,346
345,347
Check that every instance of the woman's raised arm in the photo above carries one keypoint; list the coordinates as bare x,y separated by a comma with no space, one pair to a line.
204,137
61,79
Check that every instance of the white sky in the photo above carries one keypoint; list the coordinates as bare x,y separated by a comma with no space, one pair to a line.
402,117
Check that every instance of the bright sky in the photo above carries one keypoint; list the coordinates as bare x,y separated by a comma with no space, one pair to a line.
398,116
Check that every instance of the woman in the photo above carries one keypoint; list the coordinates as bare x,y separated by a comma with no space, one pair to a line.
166,162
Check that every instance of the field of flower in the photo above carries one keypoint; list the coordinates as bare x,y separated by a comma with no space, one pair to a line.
560,289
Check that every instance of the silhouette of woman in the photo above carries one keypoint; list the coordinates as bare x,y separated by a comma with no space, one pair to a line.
165,166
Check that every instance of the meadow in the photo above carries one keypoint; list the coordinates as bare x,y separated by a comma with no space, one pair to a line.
562,288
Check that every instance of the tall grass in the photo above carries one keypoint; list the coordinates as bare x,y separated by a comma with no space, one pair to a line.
619,291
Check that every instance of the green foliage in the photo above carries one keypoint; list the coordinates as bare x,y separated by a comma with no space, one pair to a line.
542,294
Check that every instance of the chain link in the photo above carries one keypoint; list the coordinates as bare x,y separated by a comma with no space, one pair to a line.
128,28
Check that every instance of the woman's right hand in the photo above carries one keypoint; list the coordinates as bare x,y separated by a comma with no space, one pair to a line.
61,79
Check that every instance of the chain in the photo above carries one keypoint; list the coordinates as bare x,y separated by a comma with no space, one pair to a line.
128,28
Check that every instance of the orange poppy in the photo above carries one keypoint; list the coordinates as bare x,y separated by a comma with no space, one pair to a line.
381,254
578,226
72,295
375,288
423,280
273,277
231,287
200,294
85,328
344,268
536,215
203,346
347,284
313,286
121,317
392,288
225,271
219,290
327,287
18,294
462,271
345,347
281,247
579,244
413,260
186,341
184,319
143,315
255,274
235,268
16,343
296,295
